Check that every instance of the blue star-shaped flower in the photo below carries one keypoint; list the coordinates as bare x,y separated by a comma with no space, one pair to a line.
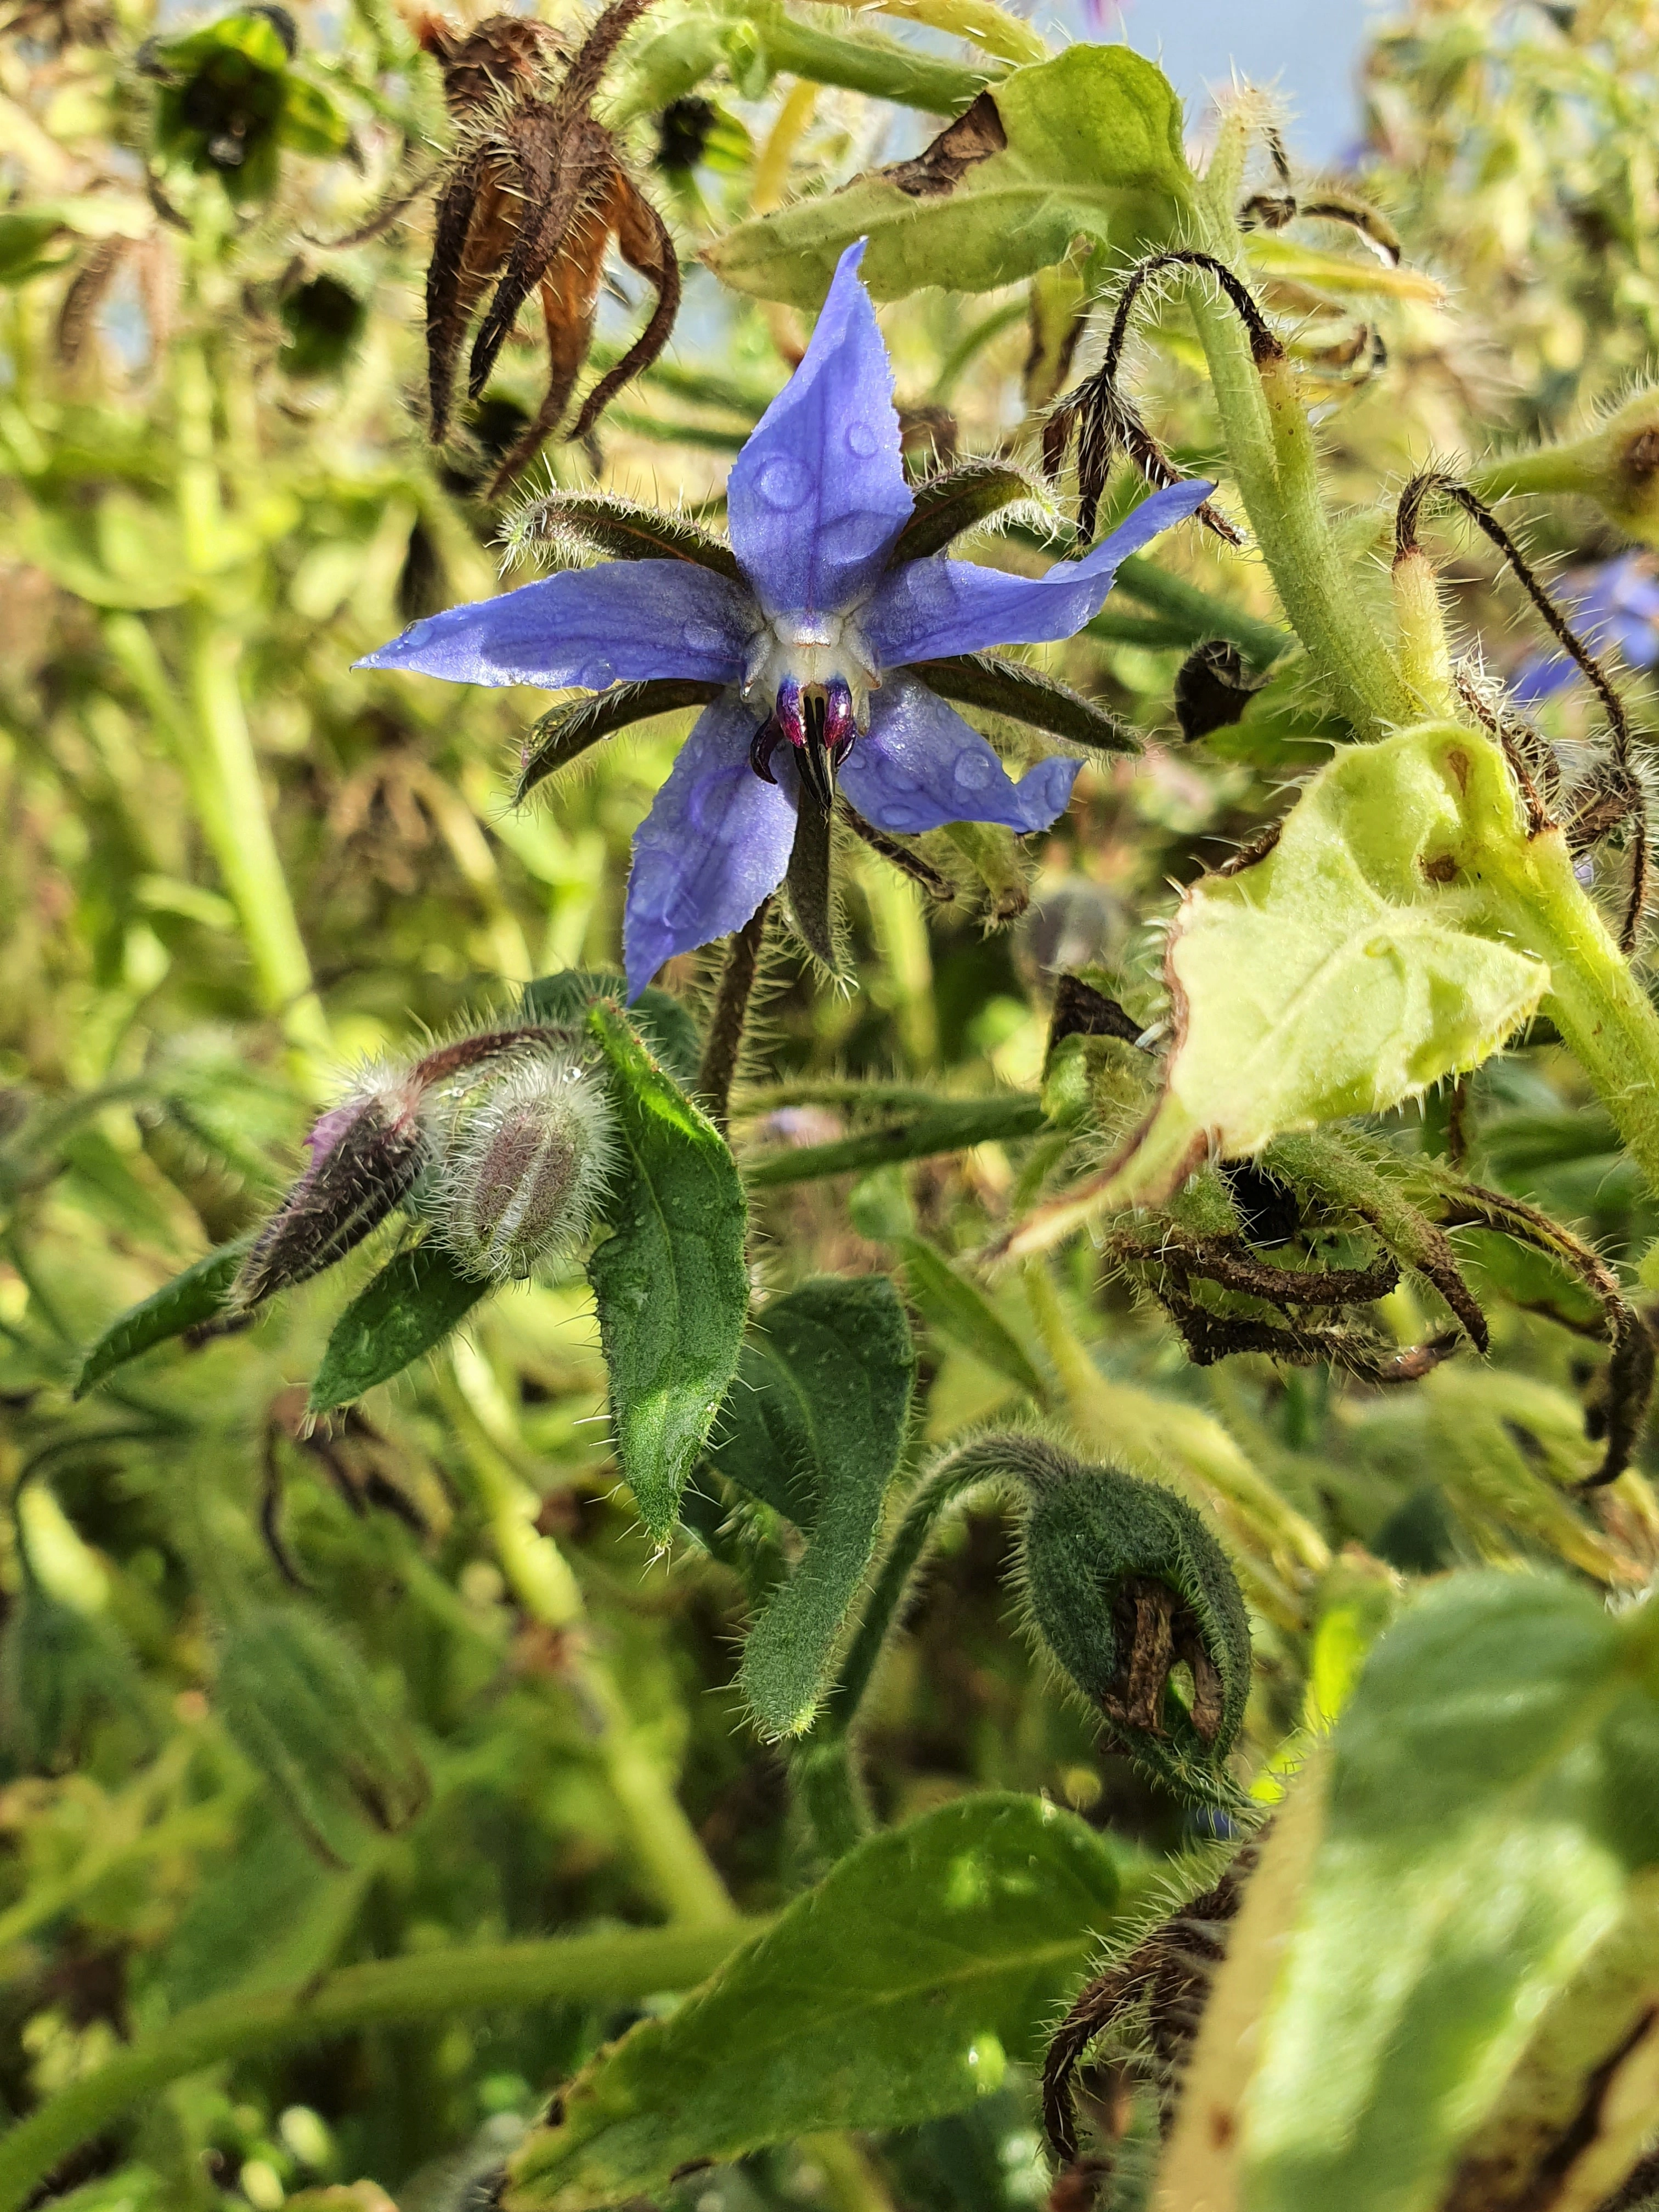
812,649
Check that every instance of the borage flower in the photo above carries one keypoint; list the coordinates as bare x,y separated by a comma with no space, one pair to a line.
825,641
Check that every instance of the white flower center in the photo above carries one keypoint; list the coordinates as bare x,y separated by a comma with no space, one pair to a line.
809,650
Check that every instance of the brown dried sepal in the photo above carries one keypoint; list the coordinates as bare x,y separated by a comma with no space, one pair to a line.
1155,1633
534,195
1165,1982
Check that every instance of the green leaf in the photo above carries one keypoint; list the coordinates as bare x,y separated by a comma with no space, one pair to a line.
669,1281
1367,954
412,1304
195,1296
1086,145
897,1990
959,1310
1496,1781
659,1017
814,1428
24,238
959,498
298,1703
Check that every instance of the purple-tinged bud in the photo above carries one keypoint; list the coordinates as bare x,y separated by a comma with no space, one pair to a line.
366,1154
525,1167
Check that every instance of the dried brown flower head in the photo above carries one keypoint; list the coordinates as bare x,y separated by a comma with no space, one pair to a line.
535,192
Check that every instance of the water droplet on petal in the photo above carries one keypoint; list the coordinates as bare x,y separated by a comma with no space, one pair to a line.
972,770
852,537
863,440
783,482
597,675
902,814
703,637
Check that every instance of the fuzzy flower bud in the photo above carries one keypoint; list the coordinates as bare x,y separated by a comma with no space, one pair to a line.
525,1167
366,1154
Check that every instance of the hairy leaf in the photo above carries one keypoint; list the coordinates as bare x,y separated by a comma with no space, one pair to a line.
959,497
897,1990
814,1428
667,1026
1086,145
411,1305
1495,1785
196,1296
669,1281
1365,954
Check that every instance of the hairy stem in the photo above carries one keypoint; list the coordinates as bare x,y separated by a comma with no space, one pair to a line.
1270,445
611,1967
216,754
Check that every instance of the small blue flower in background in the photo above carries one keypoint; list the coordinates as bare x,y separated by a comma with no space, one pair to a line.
1620,606
813,648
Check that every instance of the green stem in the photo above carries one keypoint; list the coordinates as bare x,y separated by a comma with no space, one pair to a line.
1605,1019
1271,448
616,1965
1195,613
217,755
665,1844
1548,471
878,67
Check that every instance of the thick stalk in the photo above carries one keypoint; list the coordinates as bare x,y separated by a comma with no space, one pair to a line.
1605,1016
220,765
880,68
612,1967
1195,613
1271,448
665,1844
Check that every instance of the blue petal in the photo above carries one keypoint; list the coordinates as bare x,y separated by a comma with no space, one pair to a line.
817,498
929,609
618,623
921,766
717,839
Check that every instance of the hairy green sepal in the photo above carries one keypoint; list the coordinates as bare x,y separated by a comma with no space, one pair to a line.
897,1990
669,1281
1091,149
1007,687
565,733
814,1427
1124,1581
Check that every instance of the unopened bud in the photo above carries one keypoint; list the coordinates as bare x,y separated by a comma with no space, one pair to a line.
366,1154
1616,465
1126,1585
525,1167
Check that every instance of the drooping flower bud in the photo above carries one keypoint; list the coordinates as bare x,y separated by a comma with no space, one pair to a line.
528,1163
1126,1586
366,1154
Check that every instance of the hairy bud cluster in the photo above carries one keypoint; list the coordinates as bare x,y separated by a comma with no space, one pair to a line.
524,1172
502,1138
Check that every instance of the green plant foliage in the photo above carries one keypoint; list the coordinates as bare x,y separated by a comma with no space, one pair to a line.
813,1427
298,1703
661,1019
669,1280
947,1944
1088,144
401,1314
959,1310
195,1297
230,101
1494,1789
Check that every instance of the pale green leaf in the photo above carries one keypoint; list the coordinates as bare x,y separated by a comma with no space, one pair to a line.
898,1990
1086,145
1495,1783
